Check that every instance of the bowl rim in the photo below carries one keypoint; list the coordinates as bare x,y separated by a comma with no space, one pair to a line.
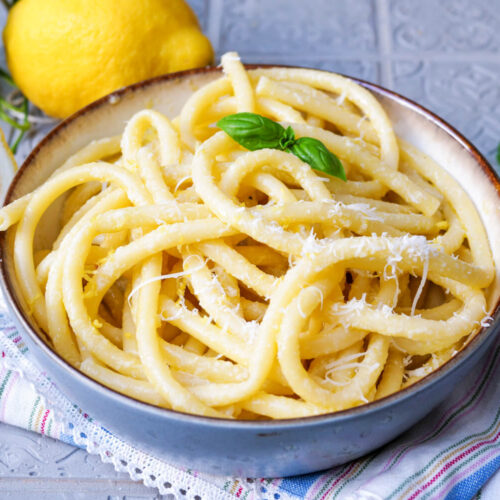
277,424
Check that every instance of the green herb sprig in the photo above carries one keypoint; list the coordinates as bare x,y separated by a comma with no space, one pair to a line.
7,110
253,131
9,3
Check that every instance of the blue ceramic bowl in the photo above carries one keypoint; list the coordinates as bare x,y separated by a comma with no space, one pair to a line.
246,448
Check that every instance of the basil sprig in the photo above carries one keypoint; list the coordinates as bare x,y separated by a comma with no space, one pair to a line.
253,131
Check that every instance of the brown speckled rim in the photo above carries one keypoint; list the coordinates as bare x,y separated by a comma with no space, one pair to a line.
274,425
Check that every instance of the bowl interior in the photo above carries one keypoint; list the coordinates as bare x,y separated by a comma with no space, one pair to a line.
167,94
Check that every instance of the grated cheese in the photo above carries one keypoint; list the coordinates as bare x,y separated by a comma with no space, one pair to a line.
421,285
162,277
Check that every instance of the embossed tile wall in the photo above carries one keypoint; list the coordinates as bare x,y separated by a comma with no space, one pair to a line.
318,28
449,26
465,93
446,55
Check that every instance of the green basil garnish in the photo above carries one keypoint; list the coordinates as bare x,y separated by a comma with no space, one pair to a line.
253,131
288,139
314,152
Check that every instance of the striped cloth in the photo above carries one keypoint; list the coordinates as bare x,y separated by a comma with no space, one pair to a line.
452,454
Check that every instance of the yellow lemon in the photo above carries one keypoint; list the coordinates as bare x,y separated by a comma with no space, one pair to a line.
64,54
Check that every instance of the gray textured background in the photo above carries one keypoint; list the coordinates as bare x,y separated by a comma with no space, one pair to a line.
444,54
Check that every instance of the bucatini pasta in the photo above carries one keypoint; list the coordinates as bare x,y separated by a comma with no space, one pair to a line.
196,275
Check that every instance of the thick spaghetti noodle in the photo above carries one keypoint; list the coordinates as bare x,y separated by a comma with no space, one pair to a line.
193,274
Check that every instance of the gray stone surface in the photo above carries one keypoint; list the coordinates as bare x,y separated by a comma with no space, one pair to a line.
443,54
34,467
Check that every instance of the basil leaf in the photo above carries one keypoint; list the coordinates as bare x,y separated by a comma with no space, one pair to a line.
288,139
253,131
316,154
498,154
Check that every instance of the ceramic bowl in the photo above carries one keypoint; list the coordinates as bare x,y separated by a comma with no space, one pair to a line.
246,448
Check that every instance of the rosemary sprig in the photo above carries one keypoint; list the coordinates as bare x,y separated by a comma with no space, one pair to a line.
5,106
9,3
25,125
6,110
5,76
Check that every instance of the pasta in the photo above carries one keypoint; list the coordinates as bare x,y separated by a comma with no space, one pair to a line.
193,274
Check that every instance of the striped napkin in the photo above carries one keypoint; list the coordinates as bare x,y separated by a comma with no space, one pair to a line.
452,454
